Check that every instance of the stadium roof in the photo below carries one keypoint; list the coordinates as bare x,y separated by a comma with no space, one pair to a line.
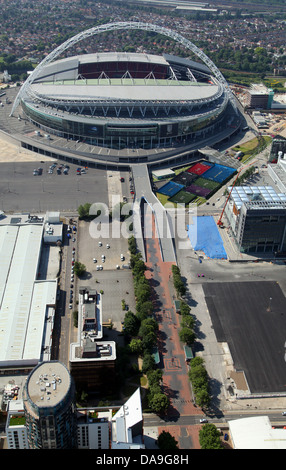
122,57
24,302
187,63
127,89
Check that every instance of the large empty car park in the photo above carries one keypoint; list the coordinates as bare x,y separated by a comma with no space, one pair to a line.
21,190
250,317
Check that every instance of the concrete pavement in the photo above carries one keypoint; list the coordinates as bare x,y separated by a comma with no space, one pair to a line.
176,383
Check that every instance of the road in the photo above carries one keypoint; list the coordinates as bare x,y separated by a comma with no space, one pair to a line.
152,420
224,271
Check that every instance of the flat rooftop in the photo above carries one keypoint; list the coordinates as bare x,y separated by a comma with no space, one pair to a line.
25,303
250,318
48,384
246,194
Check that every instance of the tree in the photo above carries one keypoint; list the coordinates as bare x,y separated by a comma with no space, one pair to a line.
188,321
154,377
203,398
79,269
148,362
131,324
142,290
199,378
83,210
149,340
139,268
184,308
166,441
209,437
132,245
144,309
187,335
75,318
136,346
178,283
159,402
148,325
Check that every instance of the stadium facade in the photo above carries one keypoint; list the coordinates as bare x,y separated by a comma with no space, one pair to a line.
128,100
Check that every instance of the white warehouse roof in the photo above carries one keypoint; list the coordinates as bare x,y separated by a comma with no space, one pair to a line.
23,300
256,433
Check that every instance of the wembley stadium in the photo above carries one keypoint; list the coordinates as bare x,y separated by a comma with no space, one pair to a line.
120,100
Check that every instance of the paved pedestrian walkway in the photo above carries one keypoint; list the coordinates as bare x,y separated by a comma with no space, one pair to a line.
176,383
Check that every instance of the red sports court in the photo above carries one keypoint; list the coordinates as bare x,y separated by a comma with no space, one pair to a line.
199,168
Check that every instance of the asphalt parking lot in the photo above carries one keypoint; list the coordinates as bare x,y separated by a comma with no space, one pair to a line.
250,318
116,284
20,190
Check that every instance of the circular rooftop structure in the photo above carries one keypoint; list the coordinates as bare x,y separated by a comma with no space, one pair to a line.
128,101
48,385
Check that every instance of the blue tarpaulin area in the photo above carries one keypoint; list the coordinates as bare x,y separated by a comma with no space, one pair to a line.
204,235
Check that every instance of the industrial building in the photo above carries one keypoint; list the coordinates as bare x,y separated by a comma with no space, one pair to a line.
27,304
257,219
256,433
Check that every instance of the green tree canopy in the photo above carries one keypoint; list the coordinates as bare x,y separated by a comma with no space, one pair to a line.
83,210
209,437
79,269
148,362
136,346
166,441
159,402
131,324
187,335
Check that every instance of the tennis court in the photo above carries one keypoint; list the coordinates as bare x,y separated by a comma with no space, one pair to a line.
200,168
185,178
182,197
219,173
209,184
198,190
170,188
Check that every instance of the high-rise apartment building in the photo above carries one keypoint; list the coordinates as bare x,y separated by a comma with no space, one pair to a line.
49,407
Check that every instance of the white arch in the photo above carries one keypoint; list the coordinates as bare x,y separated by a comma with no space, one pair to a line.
118,26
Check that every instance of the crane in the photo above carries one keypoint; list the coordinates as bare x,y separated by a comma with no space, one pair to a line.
219,222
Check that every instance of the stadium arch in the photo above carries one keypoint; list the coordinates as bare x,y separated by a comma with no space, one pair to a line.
121,26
